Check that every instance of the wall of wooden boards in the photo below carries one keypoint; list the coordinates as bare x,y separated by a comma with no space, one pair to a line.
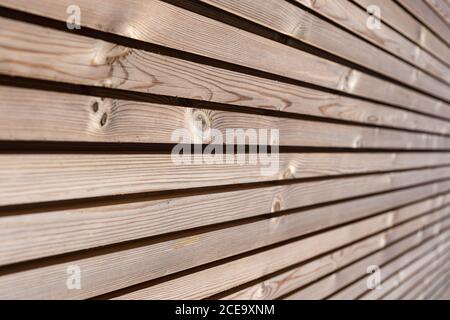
93,205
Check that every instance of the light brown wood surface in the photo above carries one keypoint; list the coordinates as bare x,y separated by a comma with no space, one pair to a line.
76,118
290,20
90,173
395,16
428,17
168,25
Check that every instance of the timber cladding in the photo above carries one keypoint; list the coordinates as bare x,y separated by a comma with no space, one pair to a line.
335,183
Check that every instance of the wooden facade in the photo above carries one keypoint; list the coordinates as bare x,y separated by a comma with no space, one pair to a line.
94,206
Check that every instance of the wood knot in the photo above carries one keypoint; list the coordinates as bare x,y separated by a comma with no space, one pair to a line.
289,173
104,119
276,205
108,53
199,125
95,106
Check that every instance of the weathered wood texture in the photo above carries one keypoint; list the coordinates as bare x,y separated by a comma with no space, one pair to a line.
358,175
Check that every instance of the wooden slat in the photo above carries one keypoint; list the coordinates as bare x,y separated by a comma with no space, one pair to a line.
348,15
437,291
422,280
399,283
89,119
290,20
398,18
88,227
69,176
167,26
170,76
335,281
411,282
131,264
327,286
359,288
188,286
424,13
441,8
442,292
291,280
446,294
432,265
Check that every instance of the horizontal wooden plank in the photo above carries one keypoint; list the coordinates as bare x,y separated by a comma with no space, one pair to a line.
433,292
172,78
108,270
166,25
291,280
389,265
438,283
403,285
441,8
446,294
29,178
429,18
352,18
286,18
439,293
94,226
234,273
398,18
335,281
397,272
421,281
90,119
425,263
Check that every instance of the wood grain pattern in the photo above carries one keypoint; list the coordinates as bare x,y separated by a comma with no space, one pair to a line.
402,21
335,281
69,176
109,270
437,266
348,15
237,272
390,269
291,280
421,281
90,119
429,261
168,25
95,226
290,20
296,278
91,123
428,17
